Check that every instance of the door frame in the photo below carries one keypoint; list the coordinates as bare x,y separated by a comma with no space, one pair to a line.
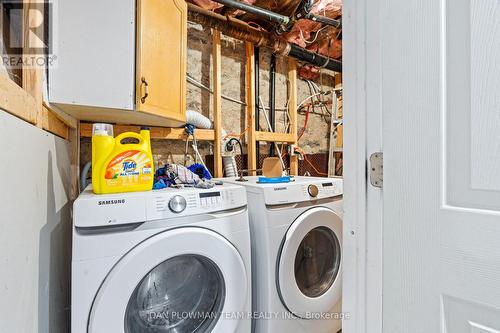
363,203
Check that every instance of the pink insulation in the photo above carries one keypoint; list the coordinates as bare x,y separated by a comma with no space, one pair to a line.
316,37
309,72
304,30
206,4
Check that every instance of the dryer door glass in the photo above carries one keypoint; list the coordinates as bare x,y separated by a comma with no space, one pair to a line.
182,294
317,262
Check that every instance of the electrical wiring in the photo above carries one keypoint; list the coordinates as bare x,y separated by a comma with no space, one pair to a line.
234,135
310,163
321,102
304,127
315,37
308,98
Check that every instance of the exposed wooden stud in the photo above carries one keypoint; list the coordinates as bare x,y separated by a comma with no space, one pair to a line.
32,75
161,133
217,102
250,89
292,109
274,137
336,129
16,100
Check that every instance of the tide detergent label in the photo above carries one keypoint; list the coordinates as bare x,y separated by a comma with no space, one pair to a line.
129,168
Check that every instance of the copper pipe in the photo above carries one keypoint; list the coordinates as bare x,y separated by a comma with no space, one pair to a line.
238,29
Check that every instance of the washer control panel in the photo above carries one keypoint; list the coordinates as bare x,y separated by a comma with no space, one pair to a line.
194,201
95,210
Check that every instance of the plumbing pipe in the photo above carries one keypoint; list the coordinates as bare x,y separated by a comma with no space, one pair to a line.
272,98
282,20
315,59
272,131
241,30
304,12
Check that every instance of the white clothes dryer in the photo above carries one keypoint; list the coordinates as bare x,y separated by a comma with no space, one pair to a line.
296,233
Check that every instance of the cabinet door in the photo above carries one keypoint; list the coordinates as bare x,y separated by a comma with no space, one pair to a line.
161,58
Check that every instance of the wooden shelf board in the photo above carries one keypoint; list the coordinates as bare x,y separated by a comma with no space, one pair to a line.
162,133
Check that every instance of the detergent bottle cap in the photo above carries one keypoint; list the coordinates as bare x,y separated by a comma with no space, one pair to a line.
102,129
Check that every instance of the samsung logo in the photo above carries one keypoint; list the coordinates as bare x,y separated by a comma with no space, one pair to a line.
280,188
111,202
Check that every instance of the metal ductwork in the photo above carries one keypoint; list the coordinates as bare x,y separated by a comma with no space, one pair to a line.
238,29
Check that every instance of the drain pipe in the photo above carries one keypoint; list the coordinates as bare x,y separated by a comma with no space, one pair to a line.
315,59
272,98
257,94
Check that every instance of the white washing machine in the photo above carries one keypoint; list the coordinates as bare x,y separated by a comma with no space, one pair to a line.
296,231
173,260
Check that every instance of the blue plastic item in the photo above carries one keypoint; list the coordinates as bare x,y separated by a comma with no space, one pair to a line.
274,180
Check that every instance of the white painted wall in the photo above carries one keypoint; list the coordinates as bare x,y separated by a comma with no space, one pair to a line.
35,229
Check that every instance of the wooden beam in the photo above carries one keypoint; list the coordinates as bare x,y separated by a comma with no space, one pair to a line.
250,89
217,100
32,75
70,121
16,100
74,137
292,109
274,137
51,123
161,133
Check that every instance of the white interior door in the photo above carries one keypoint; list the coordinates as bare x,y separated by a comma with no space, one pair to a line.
439,96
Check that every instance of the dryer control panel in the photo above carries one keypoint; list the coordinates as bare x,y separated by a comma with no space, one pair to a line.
91,210
301,191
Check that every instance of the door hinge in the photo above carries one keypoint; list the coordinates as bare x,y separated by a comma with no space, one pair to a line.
376,171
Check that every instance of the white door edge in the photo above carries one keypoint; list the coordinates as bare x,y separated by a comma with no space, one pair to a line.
362,247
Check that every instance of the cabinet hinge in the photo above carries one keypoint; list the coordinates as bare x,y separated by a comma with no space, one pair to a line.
376,171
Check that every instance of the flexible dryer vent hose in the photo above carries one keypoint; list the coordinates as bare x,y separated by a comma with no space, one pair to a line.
200,121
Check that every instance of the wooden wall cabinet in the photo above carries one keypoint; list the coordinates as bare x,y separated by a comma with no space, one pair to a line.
120,61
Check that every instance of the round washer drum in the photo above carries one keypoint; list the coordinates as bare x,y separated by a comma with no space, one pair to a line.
180,280
310,263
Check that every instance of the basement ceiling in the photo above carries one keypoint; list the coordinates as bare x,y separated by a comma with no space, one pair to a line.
311,35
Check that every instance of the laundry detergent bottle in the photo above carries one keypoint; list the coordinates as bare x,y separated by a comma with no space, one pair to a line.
119,165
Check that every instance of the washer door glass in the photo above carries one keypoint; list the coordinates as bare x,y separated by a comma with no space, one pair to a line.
317,262
183,294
